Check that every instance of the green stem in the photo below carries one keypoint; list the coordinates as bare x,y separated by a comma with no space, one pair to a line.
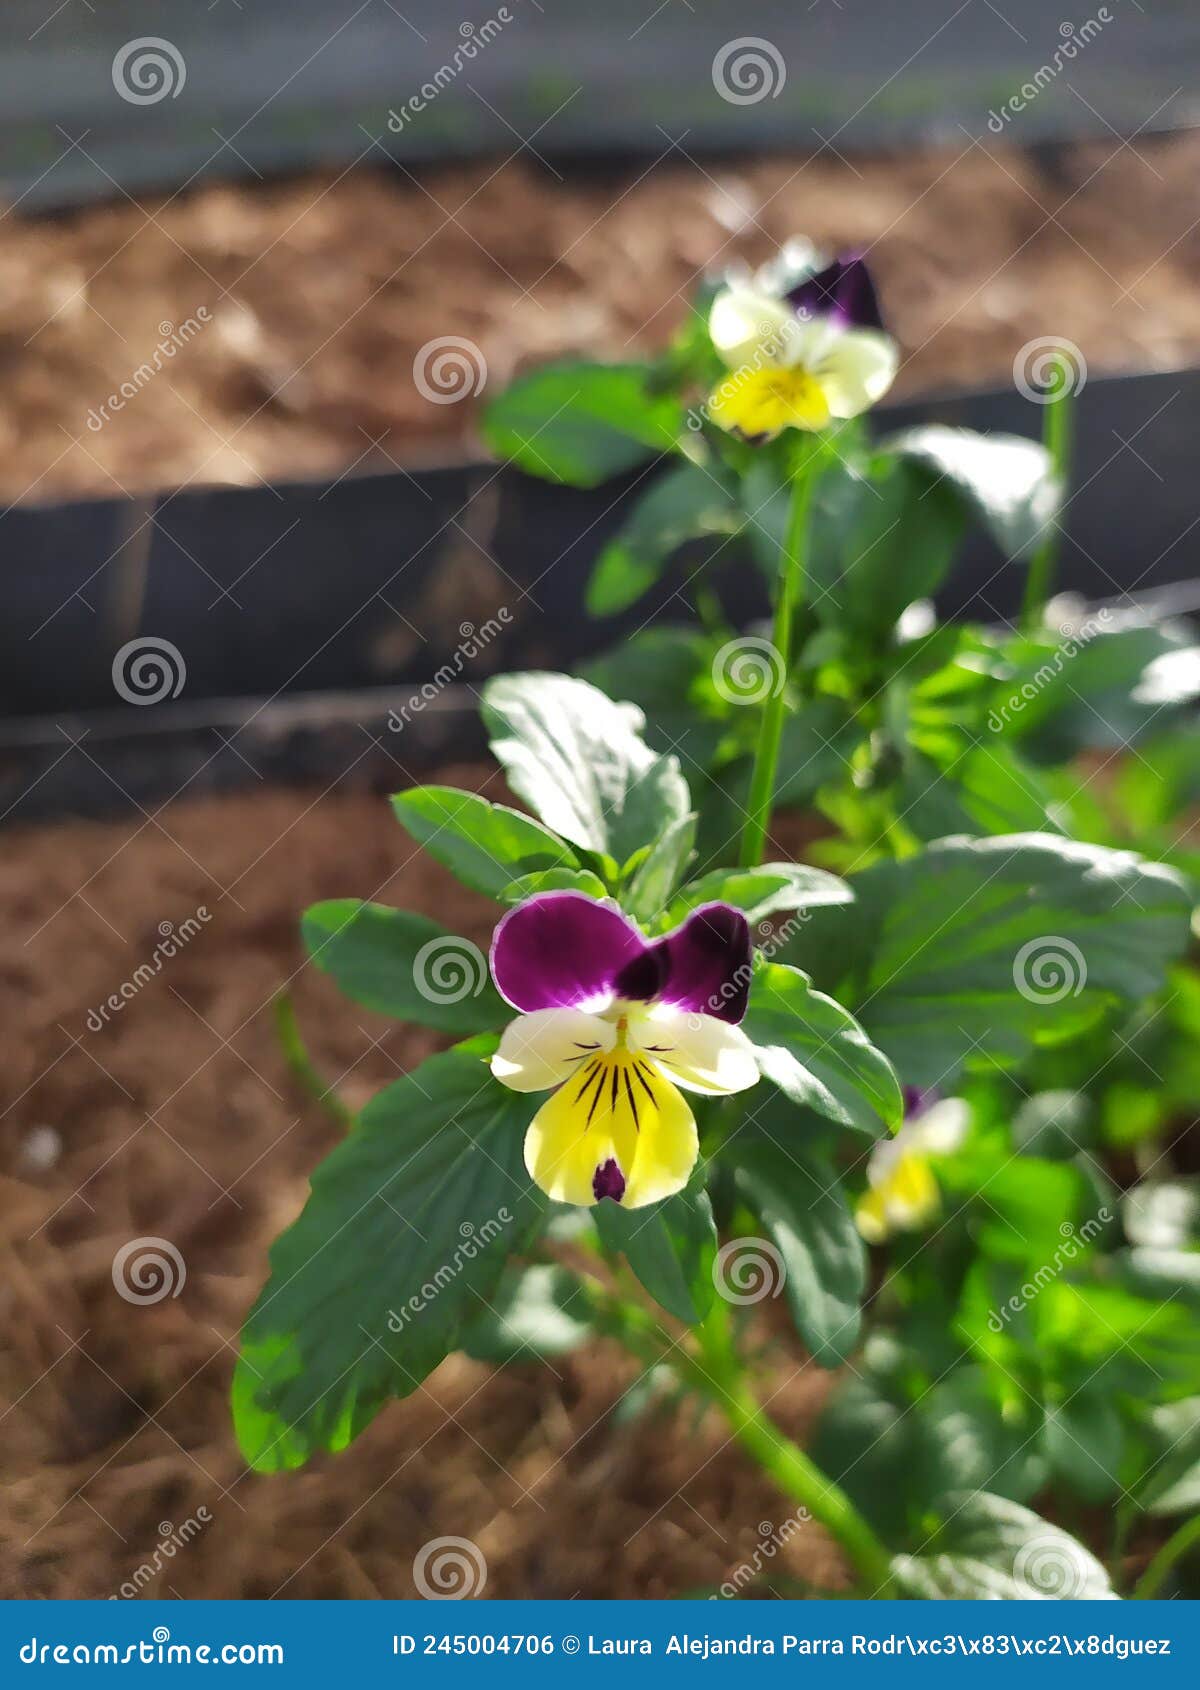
1173,1550
788,594
720,1373
301,1063
1056,436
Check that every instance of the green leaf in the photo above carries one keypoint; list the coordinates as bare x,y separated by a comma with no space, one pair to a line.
1172,1484
487,846
581,423
580,762
896,535
1008,482
661,870
687,503
817,1054
402,1240
791,1187
965,1443
864,1441
989,1548
1098,688
554,880
760,892
984,948
671,1247
536,1312
404,965
1084,1439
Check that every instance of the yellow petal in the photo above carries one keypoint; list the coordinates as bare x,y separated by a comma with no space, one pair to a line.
871,1217
766,401
619,1109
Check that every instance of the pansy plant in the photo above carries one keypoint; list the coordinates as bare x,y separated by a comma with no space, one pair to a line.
670,1050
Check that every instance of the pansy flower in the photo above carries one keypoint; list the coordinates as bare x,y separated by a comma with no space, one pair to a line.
802,357
902,1194
613,1025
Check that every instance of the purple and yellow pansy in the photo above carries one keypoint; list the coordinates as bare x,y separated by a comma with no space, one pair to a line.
803,357
616,1027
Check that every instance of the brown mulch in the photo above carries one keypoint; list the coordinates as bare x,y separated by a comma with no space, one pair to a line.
320,293
179,1120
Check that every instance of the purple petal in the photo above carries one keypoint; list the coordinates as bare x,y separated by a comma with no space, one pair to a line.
918,1099
708,963
844,291
561,950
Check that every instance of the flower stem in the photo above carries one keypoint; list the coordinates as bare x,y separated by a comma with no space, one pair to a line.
1056,437
295,1053
1173,1550
788,594
720,1373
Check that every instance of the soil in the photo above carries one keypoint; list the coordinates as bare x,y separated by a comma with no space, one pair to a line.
309,302
179,1120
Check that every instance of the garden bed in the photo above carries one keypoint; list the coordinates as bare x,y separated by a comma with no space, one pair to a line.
120,1420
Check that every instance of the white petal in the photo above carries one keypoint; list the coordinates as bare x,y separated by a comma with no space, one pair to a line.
856,368
940,1129
545,1048
750,329
698,1052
